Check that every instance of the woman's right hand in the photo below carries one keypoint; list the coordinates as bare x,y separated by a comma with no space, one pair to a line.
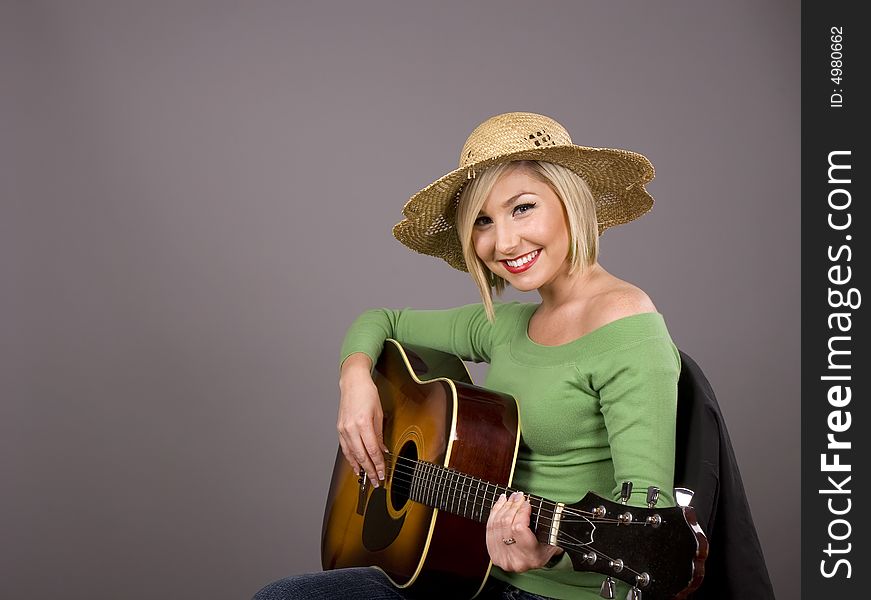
361,418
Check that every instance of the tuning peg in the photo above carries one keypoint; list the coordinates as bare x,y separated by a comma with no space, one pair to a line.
625,492
607,590
634,594
652,496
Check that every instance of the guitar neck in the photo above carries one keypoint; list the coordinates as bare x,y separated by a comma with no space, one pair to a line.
472,498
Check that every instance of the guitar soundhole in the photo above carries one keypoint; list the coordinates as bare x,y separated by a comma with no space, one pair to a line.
400,487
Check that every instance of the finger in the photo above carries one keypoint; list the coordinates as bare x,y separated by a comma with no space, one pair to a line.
496,510
502,513
358,452
496,547
494,521
372,444
520,529
516,503
504,517
514,524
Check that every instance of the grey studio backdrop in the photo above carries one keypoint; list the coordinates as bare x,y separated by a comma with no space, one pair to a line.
197,200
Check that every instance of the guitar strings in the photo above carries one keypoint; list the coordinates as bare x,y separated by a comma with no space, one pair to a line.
442,474
564,540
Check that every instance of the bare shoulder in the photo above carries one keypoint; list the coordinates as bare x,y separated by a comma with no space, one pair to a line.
619,300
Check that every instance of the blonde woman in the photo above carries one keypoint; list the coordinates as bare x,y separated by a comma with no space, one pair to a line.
591,364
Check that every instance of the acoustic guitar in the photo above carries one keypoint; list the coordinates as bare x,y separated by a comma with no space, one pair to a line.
452,448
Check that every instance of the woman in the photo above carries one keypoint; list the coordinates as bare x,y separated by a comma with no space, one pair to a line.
592,365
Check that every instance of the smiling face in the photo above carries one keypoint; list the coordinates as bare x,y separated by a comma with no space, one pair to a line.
521,233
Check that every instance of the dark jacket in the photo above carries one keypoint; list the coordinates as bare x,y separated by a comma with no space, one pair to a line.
735,568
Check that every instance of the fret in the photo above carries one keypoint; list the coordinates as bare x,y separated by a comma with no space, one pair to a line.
436,489
422,482
491,500
478,498
412,489
538,514
436,485
467,491
461,502
459,495
430,487
459,492
439,485
444,488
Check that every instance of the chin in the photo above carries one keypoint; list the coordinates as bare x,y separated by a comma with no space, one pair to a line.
522,286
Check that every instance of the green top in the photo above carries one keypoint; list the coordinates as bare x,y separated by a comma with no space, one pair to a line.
594,412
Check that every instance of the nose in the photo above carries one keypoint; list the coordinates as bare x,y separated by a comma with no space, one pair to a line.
507,240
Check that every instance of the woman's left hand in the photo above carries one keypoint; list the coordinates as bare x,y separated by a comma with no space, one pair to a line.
511,543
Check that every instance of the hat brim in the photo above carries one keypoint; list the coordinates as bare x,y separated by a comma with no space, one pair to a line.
615,177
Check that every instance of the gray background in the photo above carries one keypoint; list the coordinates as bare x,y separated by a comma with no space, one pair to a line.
197,200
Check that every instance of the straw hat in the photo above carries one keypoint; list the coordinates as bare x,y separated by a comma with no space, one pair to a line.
615,177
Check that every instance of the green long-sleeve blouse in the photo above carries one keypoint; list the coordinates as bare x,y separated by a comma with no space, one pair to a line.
594,412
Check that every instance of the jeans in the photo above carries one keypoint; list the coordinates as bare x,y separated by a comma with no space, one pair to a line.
365,583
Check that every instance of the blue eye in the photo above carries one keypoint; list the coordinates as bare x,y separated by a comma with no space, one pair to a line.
522,208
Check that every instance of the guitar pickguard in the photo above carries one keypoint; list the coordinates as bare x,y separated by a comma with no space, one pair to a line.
379,528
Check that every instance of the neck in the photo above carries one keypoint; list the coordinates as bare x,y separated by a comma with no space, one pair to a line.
470,497
568,288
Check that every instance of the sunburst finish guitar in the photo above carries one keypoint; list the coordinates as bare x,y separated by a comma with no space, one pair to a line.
452,448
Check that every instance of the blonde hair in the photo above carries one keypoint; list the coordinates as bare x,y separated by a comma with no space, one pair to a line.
570,188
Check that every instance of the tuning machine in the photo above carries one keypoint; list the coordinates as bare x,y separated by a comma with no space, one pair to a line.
641,580
652,496
607,590
625,492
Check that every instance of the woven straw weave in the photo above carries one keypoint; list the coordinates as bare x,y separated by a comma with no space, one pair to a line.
615,177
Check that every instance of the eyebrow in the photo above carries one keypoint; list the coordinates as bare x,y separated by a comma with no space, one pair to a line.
510,200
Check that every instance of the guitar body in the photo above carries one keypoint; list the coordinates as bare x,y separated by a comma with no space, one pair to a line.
432,413
451,453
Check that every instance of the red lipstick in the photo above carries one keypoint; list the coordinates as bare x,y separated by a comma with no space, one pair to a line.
525,266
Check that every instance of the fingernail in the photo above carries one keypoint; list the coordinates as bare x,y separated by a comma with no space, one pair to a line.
381,475
502,497
374,482
516,496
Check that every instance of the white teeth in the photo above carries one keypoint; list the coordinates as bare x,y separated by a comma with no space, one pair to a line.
522,260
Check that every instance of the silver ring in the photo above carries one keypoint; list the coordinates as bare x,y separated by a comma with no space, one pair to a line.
509,541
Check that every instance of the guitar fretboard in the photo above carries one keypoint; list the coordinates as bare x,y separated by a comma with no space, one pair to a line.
460,494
